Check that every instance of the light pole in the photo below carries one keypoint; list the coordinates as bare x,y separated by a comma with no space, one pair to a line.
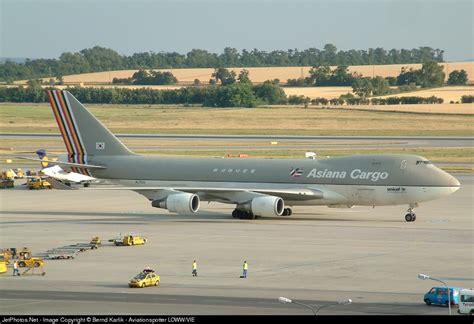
426,277
285,300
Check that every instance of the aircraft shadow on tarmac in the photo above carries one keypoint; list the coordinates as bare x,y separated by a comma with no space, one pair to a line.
145,218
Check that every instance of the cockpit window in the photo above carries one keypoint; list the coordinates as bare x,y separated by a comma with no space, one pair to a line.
423,162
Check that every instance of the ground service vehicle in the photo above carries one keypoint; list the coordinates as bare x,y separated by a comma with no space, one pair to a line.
6,255
7,183
31,262
6,179
19,173
3,266
8,174
439,296
145,278
96,241
466,302
130,240
27,260
38,183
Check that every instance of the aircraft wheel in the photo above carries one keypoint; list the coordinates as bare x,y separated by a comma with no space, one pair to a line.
409,217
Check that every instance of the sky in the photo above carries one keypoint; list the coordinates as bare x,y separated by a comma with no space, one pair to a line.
47,28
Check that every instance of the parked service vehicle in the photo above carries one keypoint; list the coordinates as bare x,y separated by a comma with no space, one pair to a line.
3,266
19,173
145,278
96,241
38,183
31,262
466,302
26,259
7,183
439,296
130,240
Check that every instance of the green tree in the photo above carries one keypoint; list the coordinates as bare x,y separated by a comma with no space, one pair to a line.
270,93
431,75
380,86
232,95
244,77
362,87
457,77
319,75
225,76
408,76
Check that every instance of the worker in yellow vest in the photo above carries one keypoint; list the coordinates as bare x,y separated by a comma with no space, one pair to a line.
195,273
245,268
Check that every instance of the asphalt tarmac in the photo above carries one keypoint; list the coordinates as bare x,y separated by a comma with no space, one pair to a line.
323,141
317,256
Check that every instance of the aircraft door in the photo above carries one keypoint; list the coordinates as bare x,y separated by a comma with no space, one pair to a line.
403,165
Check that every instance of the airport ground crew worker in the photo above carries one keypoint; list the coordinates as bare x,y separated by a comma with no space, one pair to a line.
195,272
245,268
15,269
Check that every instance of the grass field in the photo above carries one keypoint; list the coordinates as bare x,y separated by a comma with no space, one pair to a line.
261,74
445,108
276,120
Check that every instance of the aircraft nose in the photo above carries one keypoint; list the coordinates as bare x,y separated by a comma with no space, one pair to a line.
450,181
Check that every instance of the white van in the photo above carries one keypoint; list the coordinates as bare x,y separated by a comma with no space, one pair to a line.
466,302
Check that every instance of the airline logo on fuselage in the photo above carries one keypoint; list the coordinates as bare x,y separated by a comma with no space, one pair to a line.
356,174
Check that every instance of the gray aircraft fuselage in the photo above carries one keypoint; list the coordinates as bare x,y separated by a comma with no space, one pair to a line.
257,186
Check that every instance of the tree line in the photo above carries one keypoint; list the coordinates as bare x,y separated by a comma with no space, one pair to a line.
233,95
430,75
99,59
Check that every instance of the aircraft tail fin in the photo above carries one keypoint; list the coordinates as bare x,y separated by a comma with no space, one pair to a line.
83,135
45,163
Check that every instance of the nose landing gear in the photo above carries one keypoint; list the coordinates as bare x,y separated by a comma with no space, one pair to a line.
410,216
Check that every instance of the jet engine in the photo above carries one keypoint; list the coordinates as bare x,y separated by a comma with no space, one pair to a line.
265,206
181,203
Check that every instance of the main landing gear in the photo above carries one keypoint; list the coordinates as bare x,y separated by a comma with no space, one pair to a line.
242,214
410,216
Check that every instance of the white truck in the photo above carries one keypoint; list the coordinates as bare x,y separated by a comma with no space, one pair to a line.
466,302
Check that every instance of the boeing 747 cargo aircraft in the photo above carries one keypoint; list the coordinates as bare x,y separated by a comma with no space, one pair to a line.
257,187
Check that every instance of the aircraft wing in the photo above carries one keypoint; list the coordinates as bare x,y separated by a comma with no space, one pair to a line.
234,195
76,165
